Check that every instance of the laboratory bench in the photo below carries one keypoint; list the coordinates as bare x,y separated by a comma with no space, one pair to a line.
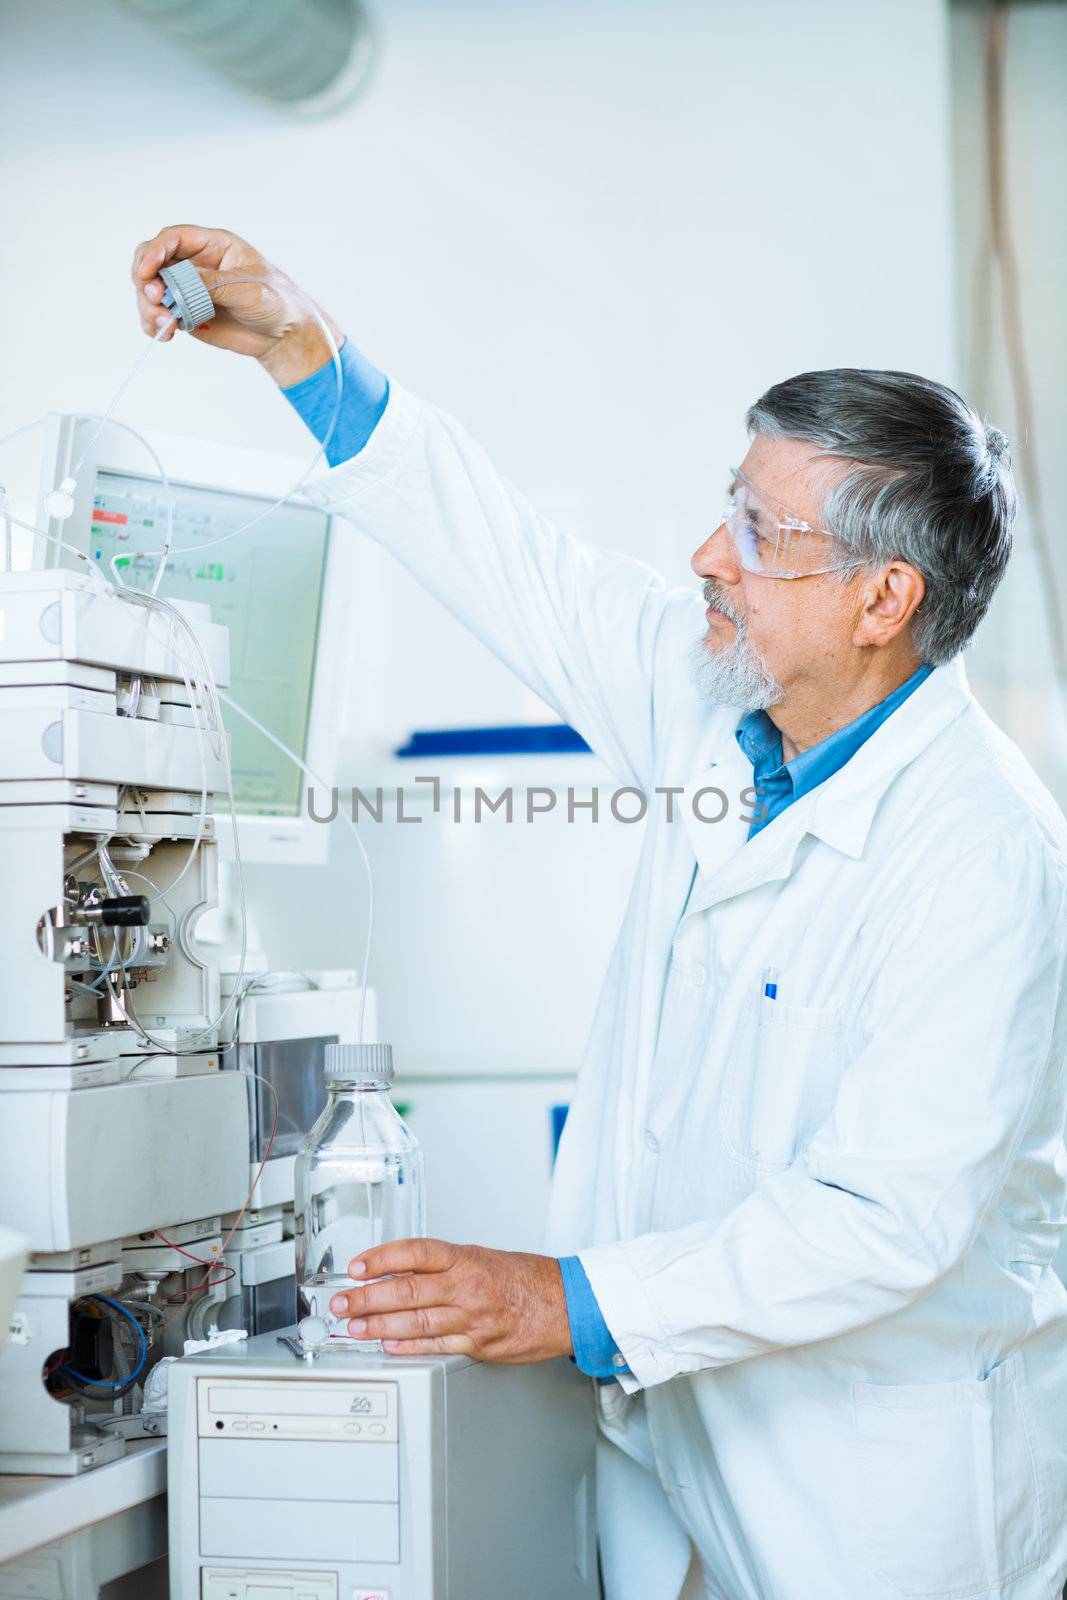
82,1538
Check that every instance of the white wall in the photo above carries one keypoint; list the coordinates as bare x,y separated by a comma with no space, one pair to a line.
594,231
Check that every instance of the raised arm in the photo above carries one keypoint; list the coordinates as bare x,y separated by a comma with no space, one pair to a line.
587,630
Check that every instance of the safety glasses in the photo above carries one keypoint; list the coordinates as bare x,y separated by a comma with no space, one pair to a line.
769,539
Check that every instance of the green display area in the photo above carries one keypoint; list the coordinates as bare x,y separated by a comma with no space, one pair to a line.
264,585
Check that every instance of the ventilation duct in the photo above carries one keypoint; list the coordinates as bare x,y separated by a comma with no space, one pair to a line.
309,56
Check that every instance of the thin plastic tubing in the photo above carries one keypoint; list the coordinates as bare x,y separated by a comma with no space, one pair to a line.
127,1011
261,516
206,1280
203,678
284,748
119,392
102,423
179,925
201,727
200,677
212,723
335,357
51,538
149,601
16,433
213,710
107,418
197,671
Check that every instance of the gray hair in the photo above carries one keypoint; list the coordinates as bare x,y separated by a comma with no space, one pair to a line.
929,484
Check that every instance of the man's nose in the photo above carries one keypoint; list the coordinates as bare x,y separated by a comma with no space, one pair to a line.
717,557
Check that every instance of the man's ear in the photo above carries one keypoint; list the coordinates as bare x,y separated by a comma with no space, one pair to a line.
891,597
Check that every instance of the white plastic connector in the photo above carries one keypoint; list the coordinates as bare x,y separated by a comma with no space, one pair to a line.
60,503
313,1333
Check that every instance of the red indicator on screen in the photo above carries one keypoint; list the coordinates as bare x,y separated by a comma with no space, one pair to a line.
110,516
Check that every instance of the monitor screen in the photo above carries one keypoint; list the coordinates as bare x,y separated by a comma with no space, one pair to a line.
265,586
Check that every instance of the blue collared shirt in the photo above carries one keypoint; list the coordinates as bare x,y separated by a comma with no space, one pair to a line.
778,784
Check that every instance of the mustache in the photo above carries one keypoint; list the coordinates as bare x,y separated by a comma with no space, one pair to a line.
713,596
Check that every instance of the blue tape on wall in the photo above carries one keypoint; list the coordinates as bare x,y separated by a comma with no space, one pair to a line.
552,738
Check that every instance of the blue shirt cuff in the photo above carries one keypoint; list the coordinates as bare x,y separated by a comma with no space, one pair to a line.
364,393
595,1351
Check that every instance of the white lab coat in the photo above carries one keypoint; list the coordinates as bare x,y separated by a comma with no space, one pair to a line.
819,1227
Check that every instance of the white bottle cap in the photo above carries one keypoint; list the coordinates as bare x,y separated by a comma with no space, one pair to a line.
363,1063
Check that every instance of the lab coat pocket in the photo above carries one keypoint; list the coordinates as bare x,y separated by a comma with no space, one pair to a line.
950,1482
780,1082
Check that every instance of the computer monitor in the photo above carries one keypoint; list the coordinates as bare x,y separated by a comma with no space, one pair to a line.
284,589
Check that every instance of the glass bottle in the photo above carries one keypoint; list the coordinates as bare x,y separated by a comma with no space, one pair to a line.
358,1179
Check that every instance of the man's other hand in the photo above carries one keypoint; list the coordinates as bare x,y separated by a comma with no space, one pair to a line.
433,1298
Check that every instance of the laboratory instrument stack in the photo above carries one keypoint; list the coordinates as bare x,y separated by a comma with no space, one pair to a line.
124,1145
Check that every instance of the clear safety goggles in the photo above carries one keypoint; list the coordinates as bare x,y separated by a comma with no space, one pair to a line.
769,539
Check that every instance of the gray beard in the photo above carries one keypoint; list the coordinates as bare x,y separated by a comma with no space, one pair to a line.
732,674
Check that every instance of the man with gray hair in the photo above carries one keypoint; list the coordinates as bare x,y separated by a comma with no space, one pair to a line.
811,1183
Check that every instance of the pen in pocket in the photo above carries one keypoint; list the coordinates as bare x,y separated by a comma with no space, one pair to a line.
770,984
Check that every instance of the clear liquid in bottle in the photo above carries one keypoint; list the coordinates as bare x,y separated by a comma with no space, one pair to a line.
358,1181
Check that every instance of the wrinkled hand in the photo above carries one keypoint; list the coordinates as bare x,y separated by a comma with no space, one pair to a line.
271,321
452,1299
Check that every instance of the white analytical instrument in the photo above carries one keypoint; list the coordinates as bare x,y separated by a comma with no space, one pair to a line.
117,1121
129,1152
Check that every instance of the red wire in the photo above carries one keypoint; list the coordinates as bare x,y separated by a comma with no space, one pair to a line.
198,1259
186,1295
208,1282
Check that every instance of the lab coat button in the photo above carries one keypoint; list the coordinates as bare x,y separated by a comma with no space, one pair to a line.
652,1142
698,974
618,1360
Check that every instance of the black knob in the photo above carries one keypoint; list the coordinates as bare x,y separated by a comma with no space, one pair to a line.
123,911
